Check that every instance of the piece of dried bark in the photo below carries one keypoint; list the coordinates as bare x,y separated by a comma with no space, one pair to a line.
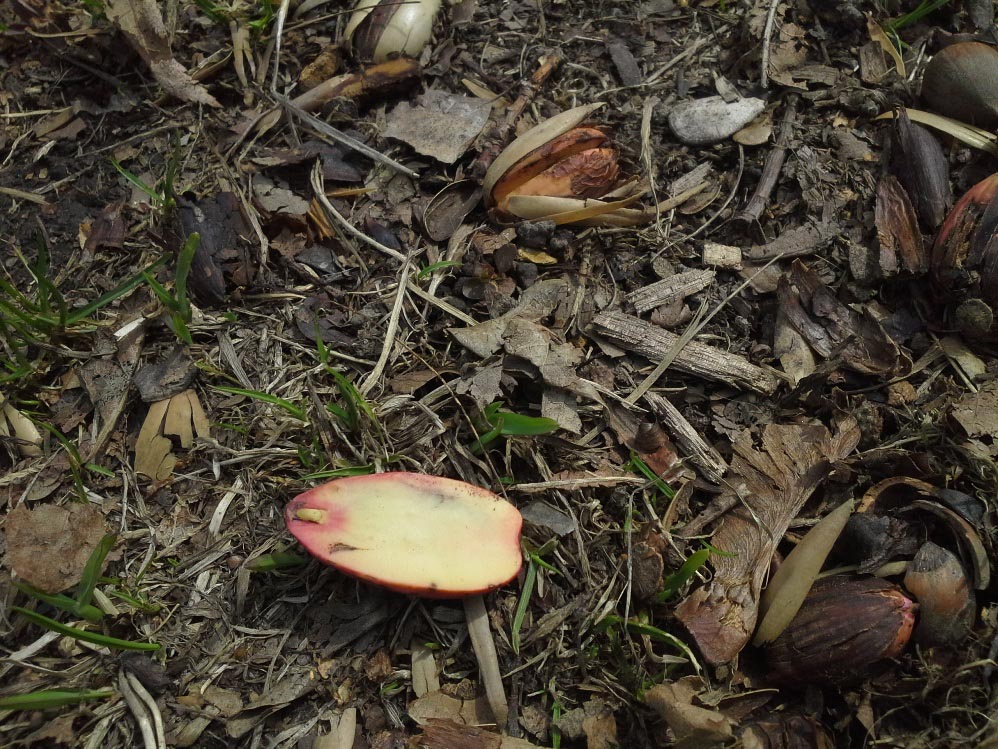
701,453
767,488
650,341
142,24
670,290
901,245
165,379
439,733
833,329
802,240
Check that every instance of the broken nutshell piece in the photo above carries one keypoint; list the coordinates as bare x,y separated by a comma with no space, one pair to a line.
845,627
946,603
557,170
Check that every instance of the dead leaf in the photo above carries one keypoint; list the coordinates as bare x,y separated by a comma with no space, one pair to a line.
441,126
901,245
181,416
48,546
766,490
877,35
439,733
694,727
142,24
448,208
425,678
834,329
437,705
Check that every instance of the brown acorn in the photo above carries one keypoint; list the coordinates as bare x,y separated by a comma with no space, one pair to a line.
961,81
845,627
965,258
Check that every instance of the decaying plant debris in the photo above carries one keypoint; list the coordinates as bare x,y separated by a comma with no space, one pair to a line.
702,291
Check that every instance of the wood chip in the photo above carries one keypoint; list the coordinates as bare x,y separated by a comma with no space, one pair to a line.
670,290
652,342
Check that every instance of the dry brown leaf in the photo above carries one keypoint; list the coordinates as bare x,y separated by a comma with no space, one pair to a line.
767,488
878,35
152,450
48,546
437,705
425,678
142,23
694,727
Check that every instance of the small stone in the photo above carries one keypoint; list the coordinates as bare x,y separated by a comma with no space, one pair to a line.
703,121
535,234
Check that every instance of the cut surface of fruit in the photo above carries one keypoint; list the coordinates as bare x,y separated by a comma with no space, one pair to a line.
410,532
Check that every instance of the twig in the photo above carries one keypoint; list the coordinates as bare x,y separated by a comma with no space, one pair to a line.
138,711
488,661
342,138
771,169
151,706
766,36
320,195
393,325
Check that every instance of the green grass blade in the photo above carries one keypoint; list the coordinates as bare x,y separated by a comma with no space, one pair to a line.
522,604
91,572
638,465
156,198
184,262
675,581
91,613
51,698
276,561
116,293
273,400
84,635
518,425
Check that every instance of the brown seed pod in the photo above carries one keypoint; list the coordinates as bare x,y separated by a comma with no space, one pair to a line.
844,628
381,29
961,82
946,603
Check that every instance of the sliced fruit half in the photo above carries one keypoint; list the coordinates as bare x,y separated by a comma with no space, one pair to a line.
410,532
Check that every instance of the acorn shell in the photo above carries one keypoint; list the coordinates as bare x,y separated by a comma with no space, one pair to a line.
396,28
534,138
961,82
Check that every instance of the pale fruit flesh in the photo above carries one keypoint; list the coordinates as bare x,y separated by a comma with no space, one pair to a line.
411,533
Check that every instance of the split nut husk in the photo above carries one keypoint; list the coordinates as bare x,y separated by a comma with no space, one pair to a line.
558,170
845,627
382,29
965,259
961,81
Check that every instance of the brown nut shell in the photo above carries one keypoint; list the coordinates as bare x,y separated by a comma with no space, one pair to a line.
946,603
533,139
845,627
545,159
586,174
961,81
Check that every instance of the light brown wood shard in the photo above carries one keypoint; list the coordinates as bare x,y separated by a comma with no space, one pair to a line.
701,454
652,342
670,290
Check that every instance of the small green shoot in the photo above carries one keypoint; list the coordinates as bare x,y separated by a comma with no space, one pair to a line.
914,16
638,465
674,582
91,613
500,423
92,570
356,412
82,634
278,560
638,627
530,577
291,408
178,303
432,268
555,731
49,699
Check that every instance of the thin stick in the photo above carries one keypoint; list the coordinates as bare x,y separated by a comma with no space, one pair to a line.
320,195
766,36
488,660
772,168
393,325
138,711
151,706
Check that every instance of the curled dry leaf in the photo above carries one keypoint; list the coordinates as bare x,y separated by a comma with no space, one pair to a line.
142,24
180,416
14,424
832,328
901,245
766,488
922,168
